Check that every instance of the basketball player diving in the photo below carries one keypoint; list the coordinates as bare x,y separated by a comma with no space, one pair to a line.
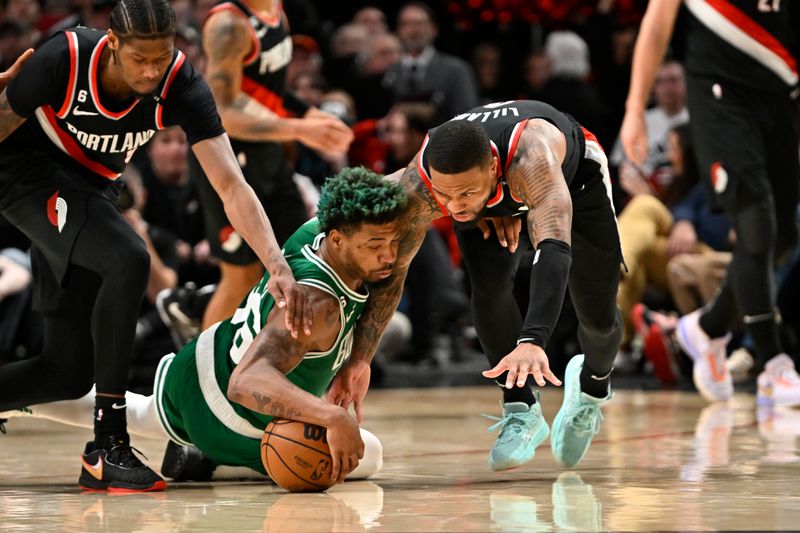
502,163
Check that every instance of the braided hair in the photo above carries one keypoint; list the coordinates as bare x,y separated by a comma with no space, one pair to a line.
143,19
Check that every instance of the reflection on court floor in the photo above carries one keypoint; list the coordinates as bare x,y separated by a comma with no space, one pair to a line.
662,461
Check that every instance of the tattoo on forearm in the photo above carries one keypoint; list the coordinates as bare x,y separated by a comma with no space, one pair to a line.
261,400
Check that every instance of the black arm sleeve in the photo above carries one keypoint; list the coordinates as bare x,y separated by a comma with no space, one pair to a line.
43,78
549,276
294,104
190,105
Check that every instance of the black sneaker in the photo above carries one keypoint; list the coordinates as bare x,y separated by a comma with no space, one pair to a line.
115,468
182,310
186,463
3,425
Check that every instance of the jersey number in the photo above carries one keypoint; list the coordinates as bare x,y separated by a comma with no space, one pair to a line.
249,318
82,96
769,6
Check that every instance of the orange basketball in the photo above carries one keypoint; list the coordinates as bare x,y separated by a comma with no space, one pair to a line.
296,456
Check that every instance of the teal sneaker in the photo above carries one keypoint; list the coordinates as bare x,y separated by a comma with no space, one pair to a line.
522,429
578,420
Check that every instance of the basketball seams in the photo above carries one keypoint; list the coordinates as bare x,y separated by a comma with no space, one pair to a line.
297,442
289,468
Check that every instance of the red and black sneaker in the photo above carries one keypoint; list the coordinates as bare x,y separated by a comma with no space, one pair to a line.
657,346
113,466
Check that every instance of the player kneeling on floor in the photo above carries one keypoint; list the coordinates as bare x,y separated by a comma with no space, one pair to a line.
218,393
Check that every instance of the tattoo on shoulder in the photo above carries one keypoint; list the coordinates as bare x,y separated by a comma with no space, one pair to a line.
225,39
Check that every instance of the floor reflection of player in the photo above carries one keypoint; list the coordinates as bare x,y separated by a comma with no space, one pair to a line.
575,508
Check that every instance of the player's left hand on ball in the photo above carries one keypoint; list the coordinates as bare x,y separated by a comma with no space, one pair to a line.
524,360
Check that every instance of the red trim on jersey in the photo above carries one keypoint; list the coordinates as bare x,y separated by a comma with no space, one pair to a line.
74,150
93,73
171,73
264,96
498,195
274,20
424,175
72,41
589,137
230,6
751,28
516,134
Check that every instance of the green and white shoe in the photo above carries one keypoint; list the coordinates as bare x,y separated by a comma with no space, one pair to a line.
578,420
522,429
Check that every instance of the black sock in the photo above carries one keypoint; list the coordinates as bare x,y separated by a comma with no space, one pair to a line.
765,336
516,394
593,386
109,418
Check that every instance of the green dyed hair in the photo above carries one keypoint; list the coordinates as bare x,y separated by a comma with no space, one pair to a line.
357,196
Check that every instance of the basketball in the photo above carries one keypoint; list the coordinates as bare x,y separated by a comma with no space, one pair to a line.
296,456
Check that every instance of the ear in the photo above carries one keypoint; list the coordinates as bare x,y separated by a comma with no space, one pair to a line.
494,165
335,237
113,41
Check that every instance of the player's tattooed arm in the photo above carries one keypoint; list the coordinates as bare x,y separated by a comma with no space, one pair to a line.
535,176
226,40
384,297
259,380
9,120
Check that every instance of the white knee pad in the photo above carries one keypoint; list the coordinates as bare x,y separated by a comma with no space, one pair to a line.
373,457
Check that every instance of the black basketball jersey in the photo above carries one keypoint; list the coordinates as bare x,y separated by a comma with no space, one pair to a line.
264,73
504,123
750,42
70,113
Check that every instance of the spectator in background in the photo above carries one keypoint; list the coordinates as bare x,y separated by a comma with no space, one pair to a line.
425,73
187,40
26,14
656,227
537,71
369,89
669,92
12,43
346,43
568,89
305,58
487,63
372,18
89,13
309,87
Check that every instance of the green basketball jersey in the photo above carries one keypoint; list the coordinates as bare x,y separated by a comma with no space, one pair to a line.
191,386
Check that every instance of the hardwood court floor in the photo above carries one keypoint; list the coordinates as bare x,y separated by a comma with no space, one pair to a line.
662,461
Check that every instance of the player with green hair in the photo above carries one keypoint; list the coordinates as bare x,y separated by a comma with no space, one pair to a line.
219,392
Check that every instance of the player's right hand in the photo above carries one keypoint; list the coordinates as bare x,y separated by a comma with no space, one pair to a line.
328,135
13,70
347,448
633,136
506,228
291,295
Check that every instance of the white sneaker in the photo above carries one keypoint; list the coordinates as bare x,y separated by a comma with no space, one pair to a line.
779,383
711,374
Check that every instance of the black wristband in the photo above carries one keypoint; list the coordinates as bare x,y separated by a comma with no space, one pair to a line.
549,276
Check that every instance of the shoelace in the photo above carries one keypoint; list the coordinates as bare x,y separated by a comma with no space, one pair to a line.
505,421
123,455
586,418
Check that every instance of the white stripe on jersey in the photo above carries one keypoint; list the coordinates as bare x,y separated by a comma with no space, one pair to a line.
48,129
737,37
215,399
